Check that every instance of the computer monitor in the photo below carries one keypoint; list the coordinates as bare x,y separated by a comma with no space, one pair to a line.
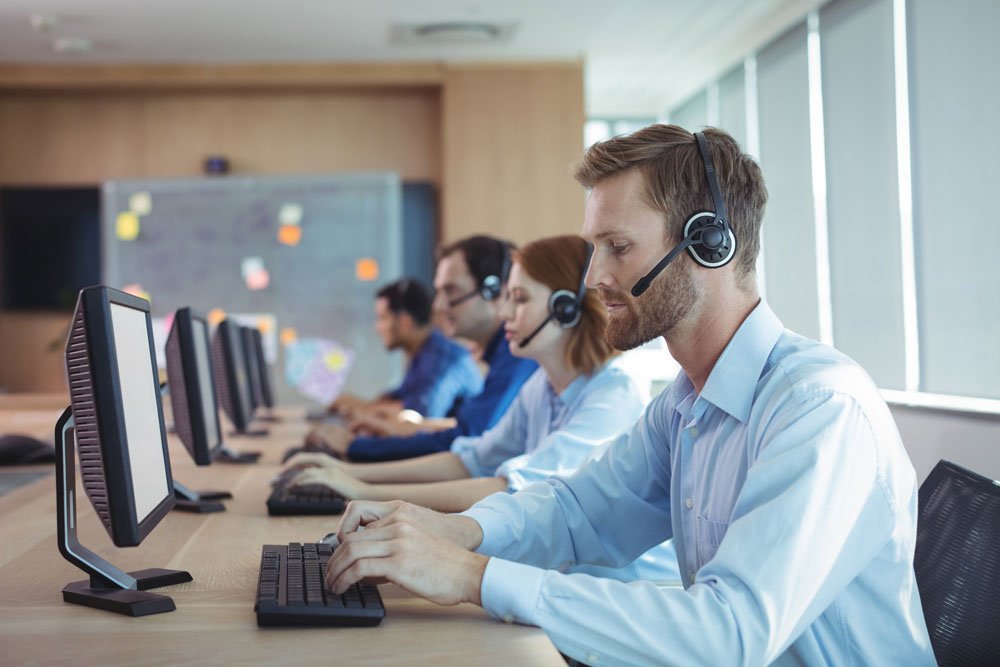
231,377
116,420
259,373
192,400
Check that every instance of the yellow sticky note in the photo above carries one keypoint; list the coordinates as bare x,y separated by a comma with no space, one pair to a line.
215,316
366,269
288,336
127,226
334,361
141,203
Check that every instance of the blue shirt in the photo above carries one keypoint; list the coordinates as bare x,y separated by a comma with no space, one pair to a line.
506,375
545,433
441,374
792,505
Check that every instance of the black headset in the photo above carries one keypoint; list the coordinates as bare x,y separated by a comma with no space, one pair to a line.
708,237
565,307
491,286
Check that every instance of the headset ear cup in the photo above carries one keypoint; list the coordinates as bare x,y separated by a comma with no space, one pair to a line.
711,258
490,288
564,308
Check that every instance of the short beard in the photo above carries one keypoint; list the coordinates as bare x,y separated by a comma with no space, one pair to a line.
667,302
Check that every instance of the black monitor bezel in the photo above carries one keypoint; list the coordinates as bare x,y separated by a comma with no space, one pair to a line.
126,529
266,391
183,327
252,366
240,393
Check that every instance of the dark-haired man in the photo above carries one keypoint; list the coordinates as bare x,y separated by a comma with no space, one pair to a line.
772,460
440,373
468,285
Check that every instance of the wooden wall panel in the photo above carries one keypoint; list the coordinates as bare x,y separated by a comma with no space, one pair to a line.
80,137
32,347
510,135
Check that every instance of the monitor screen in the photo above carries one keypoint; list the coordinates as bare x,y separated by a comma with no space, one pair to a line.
140,409
203,360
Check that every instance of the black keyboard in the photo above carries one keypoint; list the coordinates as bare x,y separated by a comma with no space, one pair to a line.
291,590
288,500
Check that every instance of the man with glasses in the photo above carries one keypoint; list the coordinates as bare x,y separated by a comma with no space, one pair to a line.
468,287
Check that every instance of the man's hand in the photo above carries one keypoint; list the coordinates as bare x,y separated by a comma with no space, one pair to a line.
373,425
408,554
333,437
337,480
304,460
460,530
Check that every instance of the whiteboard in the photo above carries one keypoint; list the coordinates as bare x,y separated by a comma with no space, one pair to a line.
190,242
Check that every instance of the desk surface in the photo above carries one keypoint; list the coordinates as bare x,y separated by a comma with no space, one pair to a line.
214,621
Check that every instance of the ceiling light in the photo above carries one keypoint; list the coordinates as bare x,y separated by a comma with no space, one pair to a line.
452,32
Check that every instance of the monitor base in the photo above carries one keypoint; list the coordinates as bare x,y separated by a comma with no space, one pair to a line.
226,455
129,602
198,506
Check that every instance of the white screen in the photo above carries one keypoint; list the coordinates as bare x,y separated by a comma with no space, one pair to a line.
203,362
139,401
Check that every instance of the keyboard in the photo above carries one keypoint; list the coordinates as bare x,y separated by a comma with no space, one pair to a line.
291,590
288,500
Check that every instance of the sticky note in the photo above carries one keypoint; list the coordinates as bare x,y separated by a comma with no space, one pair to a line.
127,226
366,269
135,289
335,360
141,203
251,265
258,280
289,234
215,316
289,336
265,324
290,214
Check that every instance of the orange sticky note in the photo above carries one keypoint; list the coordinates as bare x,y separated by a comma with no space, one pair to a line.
135,289
264,325
289,336
366,269
289,234
215,316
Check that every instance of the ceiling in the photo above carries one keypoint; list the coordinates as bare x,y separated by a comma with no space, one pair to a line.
641,56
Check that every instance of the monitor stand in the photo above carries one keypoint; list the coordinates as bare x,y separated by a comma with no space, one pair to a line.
253,432
224,454
188,500
108,588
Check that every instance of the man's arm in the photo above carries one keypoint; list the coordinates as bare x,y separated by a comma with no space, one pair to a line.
811,515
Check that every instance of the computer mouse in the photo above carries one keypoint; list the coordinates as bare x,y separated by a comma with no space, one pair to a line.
17,449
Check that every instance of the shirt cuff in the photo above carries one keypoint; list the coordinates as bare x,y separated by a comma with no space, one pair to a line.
510,590
464,448
495,529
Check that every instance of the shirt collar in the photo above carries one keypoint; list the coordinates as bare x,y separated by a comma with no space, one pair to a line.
732,384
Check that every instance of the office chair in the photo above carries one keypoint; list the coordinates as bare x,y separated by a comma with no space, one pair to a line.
957,564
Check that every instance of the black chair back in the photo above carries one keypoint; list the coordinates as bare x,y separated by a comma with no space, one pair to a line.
957,564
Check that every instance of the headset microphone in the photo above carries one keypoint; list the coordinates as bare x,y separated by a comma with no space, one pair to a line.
708,237
566,307
538,330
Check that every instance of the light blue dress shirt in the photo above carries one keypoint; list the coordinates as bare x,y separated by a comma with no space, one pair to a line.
545,433
792,505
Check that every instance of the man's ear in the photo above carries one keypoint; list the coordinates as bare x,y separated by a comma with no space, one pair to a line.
404,323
